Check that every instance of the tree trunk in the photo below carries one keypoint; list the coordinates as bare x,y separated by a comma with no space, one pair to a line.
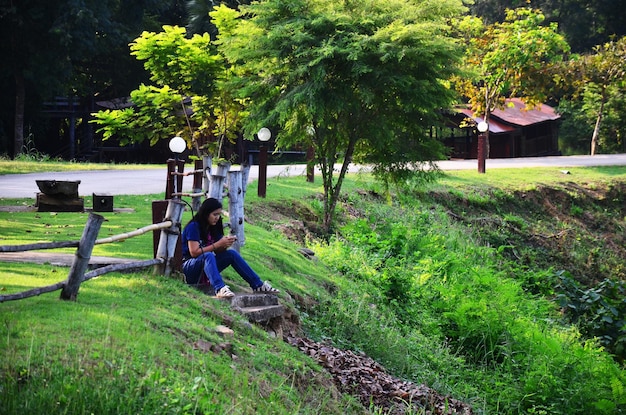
18,129
334,191
596,129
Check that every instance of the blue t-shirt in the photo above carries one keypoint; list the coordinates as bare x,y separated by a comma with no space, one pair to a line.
192,233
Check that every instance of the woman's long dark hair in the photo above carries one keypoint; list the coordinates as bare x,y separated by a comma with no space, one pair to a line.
208,206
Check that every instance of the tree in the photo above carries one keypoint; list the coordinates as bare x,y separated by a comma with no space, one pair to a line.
29,45
198,12
68,48
511,59
584,23
356,80
599,78
183,70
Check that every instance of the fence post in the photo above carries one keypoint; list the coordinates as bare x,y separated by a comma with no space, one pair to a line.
216,187
169,184
207,165
235,207
169,237
82,256
245,176
180,169
196,201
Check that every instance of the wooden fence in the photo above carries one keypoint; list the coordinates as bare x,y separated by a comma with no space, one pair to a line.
170,230
218,182
207,183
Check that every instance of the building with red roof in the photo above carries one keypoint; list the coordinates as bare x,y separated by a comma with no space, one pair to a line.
514,131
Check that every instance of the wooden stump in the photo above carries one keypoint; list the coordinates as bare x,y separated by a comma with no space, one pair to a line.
59,196
49,203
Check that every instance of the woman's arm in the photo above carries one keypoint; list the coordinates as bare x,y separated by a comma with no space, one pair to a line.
195,250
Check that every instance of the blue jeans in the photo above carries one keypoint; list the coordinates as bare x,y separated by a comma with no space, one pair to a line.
212,264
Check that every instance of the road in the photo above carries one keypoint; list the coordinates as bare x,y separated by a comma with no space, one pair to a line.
151,181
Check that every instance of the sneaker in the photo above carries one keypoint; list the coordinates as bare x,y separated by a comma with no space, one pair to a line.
225,292
266,288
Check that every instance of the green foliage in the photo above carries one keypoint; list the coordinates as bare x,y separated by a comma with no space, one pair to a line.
357,81
186,64
597,79
583,24
515,58
599,311
416,267
189,99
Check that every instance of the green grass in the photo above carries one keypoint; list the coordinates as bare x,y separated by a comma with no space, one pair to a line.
8,166
529,178
140,344
401,281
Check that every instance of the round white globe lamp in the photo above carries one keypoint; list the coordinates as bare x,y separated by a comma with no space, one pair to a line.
177,145
482,127
264,134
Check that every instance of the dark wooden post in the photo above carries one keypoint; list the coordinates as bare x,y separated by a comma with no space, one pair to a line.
196,201
169,237
262,188
169,186
82,256
180,169
482,150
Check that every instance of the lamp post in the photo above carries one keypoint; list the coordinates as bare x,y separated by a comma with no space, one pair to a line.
482,145
264,135
177,145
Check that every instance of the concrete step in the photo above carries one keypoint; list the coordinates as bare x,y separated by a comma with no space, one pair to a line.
253,300
257,307
263,313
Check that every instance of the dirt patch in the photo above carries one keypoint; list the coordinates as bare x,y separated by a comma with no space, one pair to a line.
580,227
297,221
18,209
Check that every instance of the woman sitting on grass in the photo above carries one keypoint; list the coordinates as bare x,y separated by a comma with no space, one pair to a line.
205,249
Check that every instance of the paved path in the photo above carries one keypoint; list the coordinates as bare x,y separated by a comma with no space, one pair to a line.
152,181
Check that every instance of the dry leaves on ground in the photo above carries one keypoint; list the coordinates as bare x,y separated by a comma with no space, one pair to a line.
360,375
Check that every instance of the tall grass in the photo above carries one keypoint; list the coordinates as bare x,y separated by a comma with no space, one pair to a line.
445,312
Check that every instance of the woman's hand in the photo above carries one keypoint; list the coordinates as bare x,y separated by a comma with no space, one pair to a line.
225,242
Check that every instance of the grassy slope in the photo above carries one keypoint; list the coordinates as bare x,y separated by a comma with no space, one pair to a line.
145,344
141,343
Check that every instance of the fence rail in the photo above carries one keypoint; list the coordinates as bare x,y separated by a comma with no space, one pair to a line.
74,244
170,229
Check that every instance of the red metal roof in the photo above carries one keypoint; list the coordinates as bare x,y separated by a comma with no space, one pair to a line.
515,114
495,126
